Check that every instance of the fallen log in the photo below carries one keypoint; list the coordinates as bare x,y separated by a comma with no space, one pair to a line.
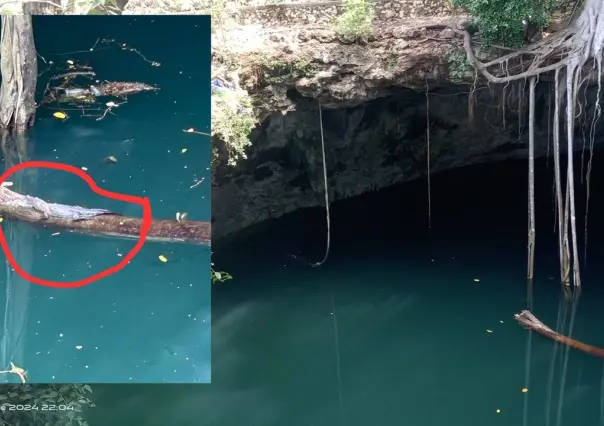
531,322
98,221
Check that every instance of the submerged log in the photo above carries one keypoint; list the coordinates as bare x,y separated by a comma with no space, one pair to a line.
531,322
98,221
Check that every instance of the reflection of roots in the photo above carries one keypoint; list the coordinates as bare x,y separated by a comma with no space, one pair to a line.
16,370
530,321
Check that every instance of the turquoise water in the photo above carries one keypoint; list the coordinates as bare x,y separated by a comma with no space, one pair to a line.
393,329
150,322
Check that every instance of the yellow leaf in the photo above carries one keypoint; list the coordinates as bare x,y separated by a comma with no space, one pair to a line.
163,258
60,115
182,151
524,390
1,219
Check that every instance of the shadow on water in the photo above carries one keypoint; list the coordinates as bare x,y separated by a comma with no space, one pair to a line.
150,322
403,325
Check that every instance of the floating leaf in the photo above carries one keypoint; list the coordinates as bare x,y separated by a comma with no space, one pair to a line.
84,168
501,321
70,62
498,411
489,331
218,275
476,280
110,159
524,390
182,151
163,258
1,219
60,115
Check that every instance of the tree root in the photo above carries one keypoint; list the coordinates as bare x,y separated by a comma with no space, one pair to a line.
527,319
99,222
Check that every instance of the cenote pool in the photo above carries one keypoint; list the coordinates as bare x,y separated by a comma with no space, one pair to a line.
149,322
404,325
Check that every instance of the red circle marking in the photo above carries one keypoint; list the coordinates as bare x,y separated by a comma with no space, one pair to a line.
146,224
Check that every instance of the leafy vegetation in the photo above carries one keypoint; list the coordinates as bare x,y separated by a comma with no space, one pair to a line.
232,122
503,21
41,405
220,276
356,21
278,71
458,64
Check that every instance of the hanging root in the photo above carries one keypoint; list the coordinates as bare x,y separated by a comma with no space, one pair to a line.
531,180
428,154
328,218
569,50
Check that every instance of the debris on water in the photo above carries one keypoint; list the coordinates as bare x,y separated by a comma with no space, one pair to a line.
181,216
84,168
501,321
197,182
498,411
489,331
79,347
163,258
55,234
182,151
60,115
7,184
476,280
524,390
110,159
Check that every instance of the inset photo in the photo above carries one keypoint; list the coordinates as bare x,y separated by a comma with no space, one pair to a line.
105,199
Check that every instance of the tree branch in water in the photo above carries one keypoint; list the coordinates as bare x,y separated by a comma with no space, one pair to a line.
527,319
98,221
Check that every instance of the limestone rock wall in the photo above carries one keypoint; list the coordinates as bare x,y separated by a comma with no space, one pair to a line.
296,14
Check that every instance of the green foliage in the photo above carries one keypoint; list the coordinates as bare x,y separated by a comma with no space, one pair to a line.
220,276
232,122
458,64
278,72
501,21
56,405
356,21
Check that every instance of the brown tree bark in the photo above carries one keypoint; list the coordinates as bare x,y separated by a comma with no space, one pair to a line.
532,323
19,68
98,222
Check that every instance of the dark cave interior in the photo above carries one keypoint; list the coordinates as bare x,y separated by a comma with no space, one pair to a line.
484,204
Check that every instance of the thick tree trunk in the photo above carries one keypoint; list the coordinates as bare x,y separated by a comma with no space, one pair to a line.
19,68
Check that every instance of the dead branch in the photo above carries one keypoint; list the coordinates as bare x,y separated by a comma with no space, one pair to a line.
98,222
527,319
